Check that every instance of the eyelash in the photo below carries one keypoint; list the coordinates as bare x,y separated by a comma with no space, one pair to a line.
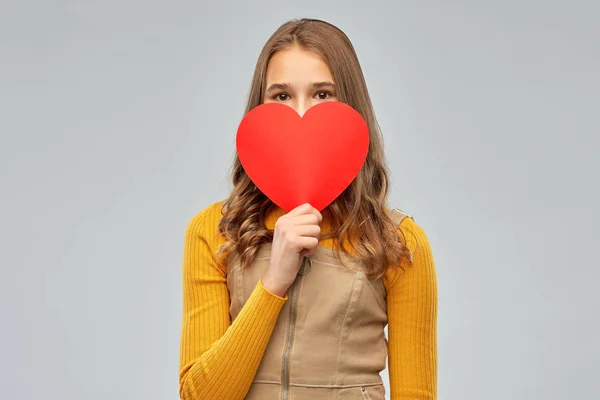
329,94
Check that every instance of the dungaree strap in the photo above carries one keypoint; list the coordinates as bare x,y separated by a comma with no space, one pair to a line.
398,215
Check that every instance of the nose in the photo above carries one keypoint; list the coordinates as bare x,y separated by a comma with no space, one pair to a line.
302,106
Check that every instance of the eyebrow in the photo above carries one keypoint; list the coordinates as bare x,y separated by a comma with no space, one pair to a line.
286,86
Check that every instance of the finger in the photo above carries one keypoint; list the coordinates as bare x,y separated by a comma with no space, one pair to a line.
307,242
318,214
301,209
305,219
309,252
308,230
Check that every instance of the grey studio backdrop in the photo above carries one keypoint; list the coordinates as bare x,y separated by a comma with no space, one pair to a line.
118,122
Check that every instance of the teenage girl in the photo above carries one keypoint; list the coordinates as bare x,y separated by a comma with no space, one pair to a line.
293,305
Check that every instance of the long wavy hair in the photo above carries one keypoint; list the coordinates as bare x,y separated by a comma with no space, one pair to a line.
359,211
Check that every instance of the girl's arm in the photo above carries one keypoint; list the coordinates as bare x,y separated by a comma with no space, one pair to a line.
218,359
412,303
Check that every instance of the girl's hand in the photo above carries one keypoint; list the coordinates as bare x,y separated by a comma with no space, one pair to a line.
296,235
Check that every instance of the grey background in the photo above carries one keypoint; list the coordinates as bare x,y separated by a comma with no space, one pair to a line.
117,126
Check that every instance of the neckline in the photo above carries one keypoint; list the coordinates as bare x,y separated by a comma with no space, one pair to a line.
322,254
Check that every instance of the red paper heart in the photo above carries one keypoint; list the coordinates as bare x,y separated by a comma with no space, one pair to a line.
295,160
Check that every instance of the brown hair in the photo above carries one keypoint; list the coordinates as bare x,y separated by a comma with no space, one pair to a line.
380,243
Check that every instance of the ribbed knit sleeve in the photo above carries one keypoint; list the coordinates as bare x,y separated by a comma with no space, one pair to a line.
412,303
219,359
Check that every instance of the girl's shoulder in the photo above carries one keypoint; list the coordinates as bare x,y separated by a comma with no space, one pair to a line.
206,214
408,227
415,238
205,224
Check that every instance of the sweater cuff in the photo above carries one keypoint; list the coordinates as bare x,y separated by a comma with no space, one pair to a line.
265,293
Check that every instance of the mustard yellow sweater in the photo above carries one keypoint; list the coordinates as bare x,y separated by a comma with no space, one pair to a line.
219,359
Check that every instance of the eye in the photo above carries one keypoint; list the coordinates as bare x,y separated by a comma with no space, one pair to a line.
281,97
324,95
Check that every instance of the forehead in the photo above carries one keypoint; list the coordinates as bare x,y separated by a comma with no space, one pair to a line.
297,66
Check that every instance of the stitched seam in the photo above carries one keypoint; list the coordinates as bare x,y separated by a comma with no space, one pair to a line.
352,385
316,261
351,257
376,293
267,382
343,329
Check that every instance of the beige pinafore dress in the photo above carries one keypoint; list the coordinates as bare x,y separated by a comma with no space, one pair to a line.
329,340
